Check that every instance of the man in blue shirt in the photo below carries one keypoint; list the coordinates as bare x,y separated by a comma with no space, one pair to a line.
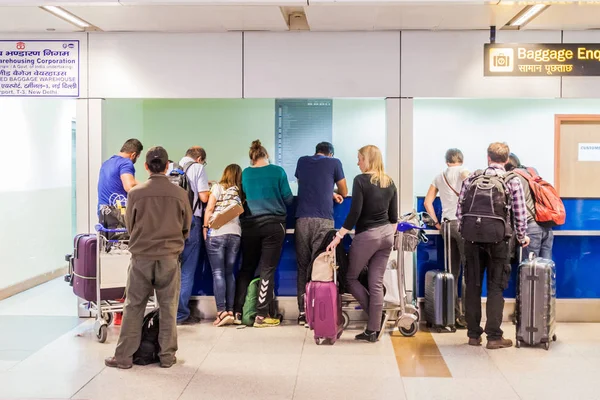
117,178
317,175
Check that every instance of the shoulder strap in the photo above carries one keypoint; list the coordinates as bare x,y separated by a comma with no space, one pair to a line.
450,186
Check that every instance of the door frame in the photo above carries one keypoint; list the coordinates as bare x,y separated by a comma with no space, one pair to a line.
559,119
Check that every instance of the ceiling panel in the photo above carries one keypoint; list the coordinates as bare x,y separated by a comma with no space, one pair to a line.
567,17
331,18
182,18
32,19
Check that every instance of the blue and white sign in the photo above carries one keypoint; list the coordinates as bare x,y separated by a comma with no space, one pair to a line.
39,68
589,152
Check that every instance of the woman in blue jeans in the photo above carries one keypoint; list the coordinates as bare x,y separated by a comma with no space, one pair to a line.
223,244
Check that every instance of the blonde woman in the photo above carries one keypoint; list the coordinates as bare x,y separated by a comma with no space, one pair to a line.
223,244
374,214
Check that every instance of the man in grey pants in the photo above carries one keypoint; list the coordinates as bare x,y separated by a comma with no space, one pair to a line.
158,219
317,175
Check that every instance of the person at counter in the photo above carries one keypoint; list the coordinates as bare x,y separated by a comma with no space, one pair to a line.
193,164
374,213
541,236
268,194
448,184
487,224
317,176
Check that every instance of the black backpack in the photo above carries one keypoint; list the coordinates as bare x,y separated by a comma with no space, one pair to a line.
178,176
487,209
149,348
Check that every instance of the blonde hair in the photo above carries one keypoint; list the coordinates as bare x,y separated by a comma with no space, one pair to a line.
498,152
374,166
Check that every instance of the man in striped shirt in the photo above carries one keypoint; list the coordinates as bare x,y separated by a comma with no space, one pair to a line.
495,257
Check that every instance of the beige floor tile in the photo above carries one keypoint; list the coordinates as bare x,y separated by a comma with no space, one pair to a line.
52,385
348,366
257,365
313,388
458,389
226,386
137,383
468,367
547,388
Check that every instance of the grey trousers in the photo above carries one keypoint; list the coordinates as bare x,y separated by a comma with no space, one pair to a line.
372,249
145,276
308,235
457,262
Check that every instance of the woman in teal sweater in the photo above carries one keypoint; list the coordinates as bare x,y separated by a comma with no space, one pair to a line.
267,194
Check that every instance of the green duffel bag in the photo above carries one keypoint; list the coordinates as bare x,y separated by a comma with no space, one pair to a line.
249,310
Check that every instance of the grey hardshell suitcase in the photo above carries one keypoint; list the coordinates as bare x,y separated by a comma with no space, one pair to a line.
439,293
536,302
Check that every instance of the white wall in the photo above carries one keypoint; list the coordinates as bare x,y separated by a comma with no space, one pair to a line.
35,195
321,64
154,65
472,124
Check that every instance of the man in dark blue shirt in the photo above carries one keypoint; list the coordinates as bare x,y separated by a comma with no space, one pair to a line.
117,178
317,175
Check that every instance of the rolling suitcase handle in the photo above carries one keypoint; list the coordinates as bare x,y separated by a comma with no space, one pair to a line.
447,246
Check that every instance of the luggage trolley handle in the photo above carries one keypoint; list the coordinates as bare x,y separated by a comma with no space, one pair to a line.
100,228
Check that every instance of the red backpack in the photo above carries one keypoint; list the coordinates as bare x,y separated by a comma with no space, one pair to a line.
549,208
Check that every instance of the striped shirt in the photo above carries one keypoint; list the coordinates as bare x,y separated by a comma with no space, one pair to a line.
519,208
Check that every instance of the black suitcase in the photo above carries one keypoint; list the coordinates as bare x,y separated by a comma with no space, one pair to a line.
439,294
536,302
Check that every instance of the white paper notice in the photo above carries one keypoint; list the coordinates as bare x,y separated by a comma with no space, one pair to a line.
39,68
589,152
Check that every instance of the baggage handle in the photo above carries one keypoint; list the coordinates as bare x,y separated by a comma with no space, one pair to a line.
447,245
100,228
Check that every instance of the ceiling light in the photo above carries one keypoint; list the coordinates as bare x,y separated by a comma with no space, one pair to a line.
527,14
67,16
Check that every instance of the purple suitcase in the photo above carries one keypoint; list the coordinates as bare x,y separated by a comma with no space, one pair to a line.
84,271
324,311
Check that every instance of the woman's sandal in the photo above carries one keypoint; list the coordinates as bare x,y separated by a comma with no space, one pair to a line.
223,318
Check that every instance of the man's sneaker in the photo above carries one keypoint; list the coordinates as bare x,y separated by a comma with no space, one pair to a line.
237,318
475,342
498,344
261,322
168,364
302,319
113,363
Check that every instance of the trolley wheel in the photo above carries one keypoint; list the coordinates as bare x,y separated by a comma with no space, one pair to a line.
416,314
453,329
438,329
518,344
346,319
102,333
108,317
547,345
554,338
414,327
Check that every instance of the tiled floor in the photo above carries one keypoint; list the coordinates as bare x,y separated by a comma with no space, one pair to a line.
57,356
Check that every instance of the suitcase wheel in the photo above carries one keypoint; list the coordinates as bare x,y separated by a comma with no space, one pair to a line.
547,345
518,344
438,329
102,333
453,329
411,331
554,338
346,319
320,341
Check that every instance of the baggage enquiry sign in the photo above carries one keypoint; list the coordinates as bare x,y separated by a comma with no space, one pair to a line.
542,59
39,68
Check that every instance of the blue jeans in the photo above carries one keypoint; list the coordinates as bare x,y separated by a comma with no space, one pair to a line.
190,259
541,241
222,253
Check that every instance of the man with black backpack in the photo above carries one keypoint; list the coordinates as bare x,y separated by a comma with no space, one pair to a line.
194,180
491,209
